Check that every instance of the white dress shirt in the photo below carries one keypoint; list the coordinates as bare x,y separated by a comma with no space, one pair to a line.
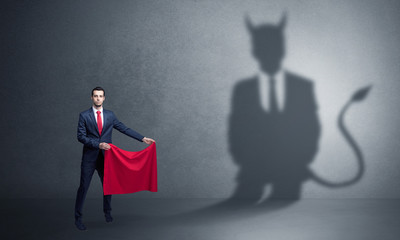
95,114
263,89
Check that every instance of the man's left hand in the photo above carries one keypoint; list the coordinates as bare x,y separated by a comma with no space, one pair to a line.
148,140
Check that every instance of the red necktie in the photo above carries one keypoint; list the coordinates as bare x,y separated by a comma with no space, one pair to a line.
99,123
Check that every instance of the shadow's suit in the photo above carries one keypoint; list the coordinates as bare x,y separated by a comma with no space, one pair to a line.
274,149
92,156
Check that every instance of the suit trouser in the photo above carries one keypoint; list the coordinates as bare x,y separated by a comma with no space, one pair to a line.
87,170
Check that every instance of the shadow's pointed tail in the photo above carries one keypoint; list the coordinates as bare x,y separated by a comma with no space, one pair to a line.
358,96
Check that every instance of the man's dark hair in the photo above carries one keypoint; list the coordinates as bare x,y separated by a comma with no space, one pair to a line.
99,89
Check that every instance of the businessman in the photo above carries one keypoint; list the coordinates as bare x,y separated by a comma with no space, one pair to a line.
95,132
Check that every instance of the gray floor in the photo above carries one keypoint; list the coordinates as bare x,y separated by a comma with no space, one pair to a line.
204,219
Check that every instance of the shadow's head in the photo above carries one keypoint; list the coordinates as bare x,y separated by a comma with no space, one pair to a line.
268,44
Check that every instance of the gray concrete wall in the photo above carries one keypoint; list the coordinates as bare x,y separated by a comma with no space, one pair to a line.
169,69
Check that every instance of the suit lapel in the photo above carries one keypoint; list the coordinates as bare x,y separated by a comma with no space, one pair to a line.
106,119
93,120
287,93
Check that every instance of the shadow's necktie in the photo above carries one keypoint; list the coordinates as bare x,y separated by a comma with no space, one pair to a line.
99,122
273,103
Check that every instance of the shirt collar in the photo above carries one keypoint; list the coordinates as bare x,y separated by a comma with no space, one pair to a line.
95,110
279,76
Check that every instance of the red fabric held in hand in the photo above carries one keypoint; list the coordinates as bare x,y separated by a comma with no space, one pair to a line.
129,172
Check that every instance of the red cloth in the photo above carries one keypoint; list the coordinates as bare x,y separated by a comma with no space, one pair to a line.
129,172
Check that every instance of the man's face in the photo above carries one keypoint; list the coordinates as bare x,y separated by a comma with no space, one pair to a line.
98,98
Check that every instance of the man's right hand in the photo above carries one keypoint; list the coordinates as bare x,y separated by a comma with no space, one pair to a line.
104,146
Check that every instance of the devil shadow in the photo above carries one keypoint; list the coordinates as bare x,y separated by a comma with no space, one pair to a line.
272,148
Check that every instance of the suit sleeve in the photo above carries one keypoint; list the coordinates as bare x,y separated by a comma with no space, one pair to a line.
82,135
127,131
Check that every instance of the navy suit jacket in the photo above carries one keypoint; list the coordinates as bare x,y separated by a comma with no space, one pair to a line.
88,133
